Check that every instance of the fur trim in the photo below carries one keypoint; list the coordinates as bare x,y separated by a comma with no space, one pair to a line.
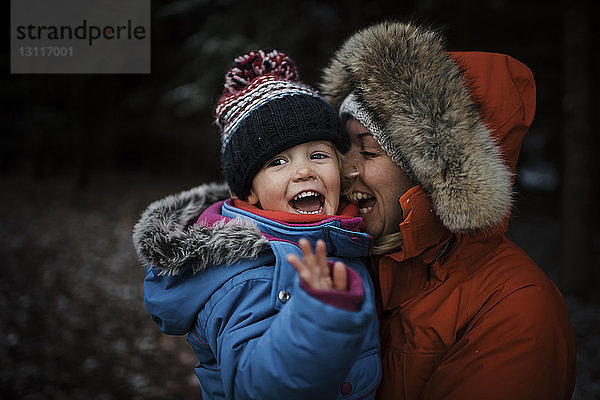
402,76
167,239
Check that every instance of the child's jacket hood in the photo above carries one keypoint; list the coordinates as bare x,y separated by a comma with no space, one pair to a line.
167,238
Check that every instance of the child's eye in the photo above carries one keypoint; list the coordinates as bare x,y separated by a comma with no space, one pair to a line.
318,156
276,162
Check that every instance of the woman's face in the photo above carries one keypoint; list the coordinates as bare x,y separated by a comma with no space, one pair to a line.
376,182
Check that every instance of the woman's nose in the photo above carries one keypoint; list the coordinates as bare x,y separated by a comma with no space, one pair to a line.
350,164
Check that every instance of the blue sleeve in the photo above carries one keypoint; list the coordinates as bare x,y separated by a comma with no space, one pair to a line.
304,351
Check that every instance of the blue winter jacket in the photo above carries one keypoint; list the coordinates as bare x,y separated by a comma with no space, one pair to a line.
256,333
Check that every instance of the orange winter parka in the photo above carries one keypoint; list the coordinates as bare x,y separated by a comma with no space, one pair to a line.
464,313
469,315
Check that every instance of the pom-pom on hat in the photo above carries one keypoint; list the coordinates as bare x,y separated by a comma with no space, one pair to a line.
264,110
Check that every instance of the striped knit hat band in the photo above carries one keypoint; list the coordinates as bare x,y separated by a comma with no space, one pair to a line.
234,108
351,107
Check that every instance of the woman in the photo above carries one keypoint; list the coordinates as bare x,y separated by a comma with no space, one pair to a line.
464,312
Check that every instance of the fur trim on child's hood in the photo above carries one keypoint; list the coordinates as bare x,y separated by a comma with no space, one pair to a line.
167,238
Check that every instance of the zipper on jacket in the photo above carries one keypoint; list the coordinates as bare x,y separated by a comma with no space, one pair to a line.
438,256
373,263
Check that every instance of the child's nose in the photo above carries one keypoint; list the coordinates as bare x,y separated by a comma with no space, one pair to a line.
303,172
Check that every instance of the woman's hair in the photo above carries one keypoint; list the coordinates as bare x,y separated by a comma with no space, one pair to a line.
387,243
340,157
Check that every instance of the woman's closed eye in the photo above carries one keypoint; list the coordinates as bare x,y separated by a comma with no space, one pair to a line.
368,154
369,148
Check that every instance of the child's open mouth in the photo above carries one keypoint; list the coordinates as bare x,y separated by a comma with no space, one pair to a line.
308,202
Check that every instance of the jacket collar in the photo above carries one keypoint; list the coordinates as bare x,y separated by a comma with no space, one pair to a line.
340,233
425,244
421,229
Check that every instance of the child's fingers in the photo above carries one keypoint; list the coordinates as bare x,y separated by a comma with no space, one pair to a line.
312,267
307,253
303,271
340,276
321,258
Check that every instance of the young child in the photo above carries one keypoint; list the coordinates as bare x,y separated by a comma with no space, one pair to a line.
263,324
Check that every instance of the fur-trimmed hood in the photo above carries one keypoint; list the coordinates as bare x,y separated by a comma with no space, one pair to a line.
167,239
453,122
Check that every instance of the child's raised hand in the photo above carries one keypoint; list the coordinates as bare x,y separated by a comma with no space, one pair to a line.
313,269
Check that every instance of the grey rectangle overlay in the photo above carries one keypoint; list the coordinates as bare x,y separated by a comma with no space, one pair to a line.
80,36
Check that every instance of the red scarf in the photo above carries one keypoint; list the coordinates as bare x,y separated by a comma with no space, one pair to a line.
347,210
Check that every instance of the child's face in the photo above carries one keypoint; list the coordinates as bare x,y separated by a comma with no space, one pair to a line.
304,179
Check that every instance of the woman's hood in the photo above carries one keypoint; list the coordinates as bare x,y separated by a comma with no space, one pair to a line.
167,238
454,122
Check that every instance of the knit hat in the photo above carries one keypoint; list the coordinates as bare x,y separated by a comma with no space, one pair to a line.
264,110
352,107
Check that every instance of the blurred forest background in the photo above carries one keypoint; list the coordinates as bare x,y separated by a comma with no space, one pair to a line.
82,155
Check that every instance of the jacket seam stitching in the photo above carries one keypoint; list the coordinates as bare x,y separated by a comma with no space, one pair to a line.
232,288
